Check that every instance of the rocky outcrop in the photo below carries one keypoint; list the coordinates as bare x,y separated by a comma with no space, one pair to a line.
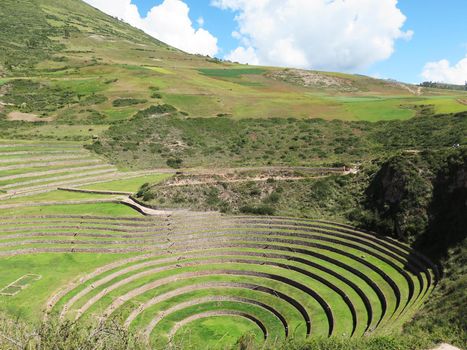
399,195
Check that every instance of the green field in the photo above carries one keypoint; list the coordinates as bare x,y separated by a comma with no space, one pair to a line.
96,74
130,185
214,265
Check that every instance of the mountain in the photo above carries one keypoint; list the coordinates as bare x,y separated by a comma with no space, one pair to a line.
84,63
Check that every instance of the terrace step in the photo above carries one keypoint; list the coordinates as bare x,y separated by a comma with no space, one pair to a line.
307,277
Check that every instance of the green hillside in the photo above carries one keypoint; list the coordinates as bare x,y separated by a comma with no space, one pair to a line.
82,62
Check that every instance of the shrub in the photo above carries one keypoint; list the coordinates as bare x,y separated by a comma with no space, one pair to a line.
125,102
142,190
156,110
255,192
93,100
257,210
175,163
148,196
273,198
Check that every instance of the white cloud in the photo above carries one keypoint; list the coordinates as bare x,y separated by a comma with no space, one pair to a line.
200,21
168,22
443,72
344,35
243,55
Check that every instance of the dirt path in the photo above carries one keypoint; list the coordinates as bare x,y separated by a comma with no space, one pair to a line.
144,210
188,182
234,175
445,346
225,171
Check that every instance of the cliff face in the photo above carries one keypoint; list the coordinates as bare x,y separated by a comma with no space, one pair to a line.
399,197
421,199
448,208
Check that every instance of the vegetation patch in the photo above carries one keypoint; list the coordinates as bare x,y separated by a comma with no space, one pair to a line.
93,99
305,193
30,96
231,72
145,142
125,102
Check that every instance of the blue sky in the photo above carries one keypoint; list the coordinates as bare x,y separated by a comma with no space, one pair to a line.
439,34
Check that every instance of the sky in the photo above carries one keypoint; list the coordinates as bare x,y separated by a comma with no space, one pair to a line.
406,40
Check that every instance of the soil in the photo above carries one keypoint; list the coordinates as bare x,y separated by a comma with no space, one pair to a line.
313,79
445,346
27,117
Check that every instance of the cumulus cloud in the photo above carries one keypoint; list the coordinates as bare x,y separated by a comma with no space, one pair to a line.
443,72
243,55
344,35
168,22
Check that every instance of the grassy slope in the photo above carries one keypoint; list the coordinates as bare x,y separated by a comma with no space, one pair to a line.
83,60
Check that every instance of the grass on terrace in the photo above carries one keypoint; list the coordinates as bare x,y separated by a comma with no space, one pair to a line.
58,196
104,209
127,185
29,304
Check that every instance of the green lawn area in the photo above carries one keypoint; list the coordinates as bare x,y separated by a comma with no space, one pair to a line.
128,185
104,209
56,271
160,70
121,113
368,109
58,132
216,332
447,104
